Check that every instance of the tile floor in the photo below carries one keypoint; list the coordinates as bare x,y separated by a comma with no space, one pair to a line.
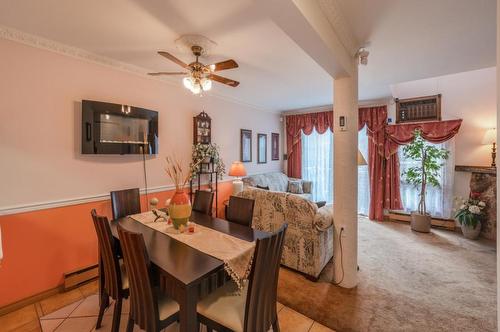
77,310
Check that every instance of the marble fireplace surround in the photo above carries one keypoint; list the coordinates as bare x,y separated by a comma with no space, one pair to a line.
483,180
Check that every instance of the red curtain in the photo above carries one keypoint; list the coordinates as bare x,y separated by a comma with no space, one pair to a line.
384,191
435,132
295,125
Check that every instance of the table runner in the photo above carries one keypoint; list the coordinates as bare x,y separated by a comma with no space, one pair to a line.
236,253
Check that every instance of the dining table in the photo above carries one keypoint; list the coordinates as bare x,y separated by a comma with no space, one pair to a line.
180,267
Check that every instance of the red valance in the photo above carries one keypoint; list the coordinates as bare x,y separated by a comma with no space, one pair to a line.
295,125
434,132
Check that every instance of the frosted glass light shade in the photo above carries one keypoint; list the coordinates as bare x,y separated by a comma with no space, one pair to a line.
237,169
490,136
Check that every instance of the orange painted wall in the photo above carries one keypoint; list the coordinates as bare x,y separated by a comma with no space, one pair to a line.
40,246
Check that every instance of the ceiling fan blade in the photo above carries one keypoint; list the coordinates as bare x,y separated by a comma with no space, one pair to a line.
168,73
224,80
173,58
223,65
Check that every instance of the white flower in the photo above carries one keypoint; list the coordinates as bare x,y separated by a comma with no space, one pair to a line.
482,204
474,209
462,206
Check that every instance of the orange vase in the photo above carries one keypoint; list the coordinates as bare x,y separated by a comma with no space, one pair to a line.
179,209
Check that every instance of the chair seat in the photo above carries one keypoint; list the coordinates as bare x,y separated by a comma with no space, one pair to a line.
124,274
225,306
166,307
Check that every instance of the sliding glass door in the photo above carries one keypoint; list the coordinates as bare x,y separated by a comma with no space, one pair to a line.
317,164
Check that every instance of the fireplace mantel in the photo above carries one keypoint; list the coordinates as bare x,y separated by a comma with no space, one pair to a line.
476,169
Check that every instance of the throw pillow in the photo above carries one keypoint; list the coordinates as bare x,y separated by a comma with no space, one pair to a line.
263,187
295,187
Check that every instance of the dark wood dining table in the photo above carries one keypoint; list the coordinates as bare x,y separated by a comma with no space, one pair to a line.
182,267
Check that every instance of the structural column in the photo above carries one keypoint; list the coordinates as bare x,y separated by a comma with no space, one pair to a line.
345,198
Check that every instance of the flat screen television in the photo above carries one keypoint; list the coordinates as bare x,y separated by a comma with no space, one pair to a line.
118,129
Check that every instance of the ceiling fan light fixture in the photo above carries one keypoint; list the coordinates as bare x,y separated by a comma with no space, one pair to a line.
188,82
196,89
206,84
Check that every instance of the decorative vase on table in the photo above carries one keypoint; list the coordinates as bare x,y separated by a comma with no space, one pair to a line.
179,206
179,209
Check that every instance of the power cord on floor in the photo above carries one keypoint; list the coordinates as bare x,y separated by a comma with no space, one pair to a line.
341,259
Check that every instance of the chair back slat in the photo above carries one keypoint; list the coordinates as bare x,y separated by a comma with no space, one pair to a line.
125,202
143,300
108,255
260,311
240,210
203,201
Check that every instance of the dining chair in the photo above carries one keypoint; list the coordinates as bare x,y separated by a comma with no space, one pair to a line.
151,309
240,210
125,202
116,283
254,309
203,201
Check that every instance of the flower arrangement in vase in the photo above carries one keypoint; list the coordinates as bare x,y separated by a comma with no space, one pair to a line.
469,215
179,208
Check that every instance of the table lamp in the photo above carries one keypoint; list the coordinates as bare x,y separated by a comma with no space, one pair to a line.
361,159
490,138
237,170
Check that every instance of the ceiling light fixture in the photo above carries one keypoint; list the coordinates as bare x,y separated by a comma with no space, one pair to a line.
363,56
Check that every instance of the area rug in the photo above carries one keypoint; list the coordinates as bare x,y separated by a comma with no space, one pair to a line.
408,281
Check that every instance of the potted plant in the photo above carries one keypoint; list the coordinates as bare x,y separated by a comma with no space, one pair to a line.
423,175
469,216
206,153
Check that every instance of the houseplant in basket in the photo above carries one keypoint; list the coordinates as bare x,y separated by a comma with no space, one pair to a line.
179,208
469,216
423,175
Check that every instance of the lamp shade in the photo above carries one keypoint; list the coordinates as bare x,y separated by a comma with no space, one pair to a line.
361,159
490,136
237,169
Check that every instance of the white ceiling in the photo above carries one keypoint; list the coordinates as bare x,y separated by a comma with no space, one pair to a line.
415,39
408,40
274,72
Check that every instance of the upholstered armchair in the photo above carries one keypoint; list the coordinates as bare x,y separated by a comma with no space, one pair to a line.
309,240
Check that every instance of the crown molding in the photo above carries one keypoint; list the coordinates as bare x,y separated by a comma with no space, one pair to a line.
81,54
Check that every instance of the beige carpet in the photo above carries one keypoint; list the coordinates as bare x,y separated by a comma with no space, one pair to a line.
407,282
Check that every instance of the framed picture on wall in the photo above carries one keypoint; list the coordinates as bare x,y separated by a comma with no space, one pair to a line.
246,145
261,148
275,146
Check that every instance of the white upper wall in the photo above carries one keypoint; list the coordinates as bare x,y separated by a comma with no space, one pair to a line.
470,96
40,119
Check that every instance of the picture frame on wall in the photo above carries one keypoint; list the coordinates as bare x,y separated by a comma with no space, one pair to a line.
275,146
246,145
261,148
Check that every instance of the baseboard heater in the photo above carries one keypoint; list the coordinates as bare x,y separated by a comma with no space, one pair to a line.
75,278
436,222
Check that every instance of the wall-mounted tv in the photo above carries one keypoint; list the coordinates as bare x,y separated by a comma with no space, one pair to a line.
118,129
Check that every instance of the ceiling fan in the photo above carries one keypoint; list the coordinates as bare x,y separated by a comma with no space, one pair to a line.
199,77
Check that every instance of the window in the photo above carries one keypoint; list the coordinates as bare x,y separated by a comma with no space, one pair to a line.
363,177
439,201
317,164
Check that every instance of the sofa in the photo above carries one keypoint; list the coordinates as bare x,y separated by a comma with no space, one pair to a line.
309,238
277,181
